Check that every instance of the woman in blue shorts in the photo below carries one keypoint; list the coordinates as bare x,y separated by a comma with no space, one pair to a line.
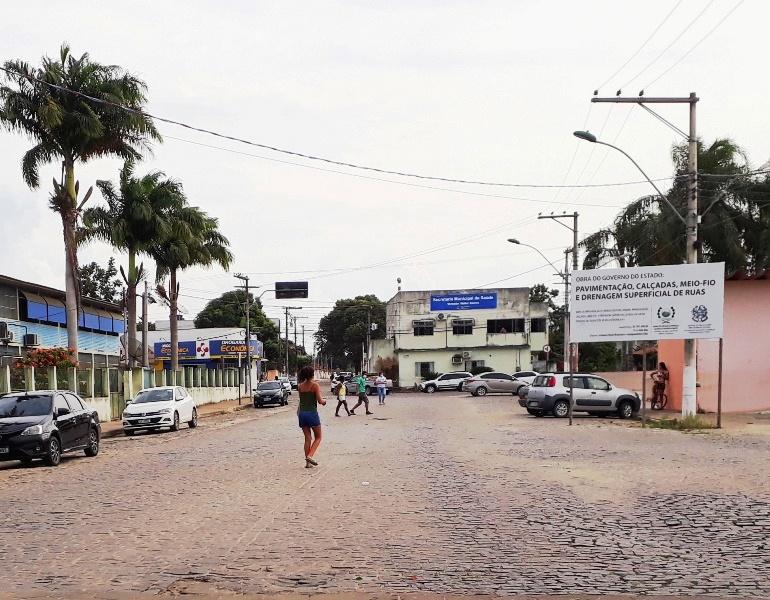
307,412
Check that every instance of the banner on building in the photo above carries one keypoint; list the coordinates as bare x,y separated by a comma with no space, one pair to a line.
647,303
472,301
208,349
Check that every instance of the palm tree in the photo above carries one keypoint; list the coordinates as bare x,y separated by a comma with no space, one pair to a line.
194,240
137,213
48,105
732,208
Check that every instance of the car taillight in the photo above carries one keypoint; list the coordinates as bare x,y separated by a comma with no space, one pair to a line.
551,382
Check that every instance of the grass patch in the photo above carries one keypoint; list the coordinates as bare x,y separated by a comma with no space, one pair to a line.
686,424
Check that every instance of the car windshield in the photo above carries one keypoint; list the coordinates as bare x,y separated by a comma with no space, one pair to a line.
25,406
269,385
160,395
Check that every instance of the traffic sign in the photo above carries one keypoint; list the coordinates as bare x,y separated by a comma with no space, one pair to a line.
546,348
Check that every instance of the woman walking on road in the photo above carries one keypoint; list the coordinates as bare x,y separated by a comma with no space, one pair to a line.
307,413
342,393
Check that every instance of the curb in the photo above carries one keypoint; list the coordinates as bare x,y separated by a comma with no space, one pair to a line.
118,431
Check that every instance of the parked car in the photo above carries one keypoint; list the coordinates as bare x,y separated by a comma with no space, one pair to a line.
445,381
522,394
286,383
550,394
526,376
293,381
371,386
270,392
45,424
160,407
492,382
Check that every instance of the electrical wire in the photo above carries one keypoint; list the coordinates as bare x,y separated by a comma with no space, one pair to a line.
698,43
667,48
640,48
298,154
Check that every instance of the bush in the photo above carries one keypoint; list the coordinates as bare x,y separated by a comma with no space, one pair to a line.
480,370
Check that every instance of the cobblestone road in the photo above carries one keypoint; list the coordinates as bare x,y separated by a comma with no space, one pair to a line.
441,493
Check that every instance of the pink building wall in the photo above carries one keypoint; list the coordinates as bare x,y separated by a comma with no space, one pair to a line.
746,377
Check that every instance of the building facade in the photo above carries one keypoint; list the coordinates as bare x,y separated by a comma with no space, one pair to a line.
441,331
35,317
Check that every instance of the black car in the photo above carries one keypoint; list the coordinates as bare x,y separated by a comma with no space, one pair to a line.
45,424
270,392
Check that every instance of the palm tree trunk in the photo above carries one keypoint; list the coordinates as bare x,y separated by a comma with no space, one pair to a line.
131,302
71,284
174,324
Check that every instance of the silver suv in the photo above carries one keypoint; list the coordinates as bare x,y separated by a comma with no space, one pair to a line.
549,394
492,382
445,381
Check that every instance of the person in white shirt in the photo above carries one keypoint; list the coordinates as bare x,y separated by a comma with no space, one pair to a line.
382,387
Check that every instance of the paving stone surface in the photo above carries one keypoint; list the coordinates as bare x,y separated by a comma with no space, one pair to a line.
438,493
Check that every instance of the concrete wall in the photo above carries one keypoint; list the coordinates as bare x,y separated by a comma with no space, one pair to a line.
213,395
631,380
102,406
746,378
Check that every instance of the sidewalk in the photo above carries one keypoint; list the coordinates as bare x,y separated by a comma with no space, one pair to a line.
115,428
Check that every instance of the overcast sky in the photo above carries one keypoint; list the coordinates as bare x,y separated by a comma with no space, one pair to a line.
476,90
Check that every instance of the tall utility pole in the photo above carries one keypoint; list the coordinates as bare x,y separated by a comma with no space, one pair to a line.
368,336
572,355
145,327
296,350
689,397
286,312
245,286
303,338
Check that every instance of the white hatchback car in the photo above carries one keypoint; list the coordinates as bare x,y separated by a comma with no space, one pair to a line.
159,407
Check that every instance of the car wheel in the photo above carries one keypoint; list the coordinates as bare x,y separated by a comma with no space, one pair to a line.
194,422
481,391
175,426
625,410
430,388
53,457
93,443
561,409
460,387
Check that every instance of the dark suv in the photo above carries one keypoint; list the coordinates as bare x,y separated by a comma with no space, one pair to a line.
45,424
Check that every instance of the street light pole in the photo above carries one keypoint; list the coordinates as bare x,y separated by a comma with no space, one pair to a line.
247,379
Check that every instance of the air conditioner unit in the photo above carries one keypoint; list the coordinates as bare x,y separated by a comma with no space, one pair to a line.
466,355
31,339
457,359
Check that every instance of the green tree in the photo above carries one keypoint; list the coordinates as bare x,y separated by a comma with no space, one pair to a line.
598,356
70,128
101,283
342,333
137,214
193,240
735,219
540,293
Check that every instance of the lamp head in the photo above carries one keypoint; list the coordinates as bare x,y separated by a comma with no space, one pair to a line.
514,241
585,135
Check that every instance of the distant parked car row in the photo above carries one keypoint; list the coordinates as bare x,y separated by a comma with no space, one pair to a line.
492,382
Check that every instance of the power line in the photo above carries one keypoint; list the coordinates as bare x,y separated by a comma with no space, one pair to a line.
304,155
640,48
698,43
667,48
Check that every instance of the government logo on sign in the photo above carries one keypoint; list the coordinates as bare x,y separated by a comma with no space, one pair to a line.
700,313
666,314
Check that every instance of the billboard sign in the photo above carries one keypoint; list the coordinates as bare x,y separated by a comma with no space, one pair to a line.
232,348
185,350
208,349
666,302
463,301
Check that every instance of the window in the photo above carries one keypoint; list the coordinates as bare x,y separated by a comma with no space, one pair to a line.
580,383
462,326
594,383
180,393
538,326
423,369
74,402
505,326
423,327
503,376
525,374
59,402
452,376
477,363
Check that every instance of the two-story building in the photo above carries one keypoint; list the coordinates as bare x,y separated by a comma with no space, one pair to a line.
33,316
457,330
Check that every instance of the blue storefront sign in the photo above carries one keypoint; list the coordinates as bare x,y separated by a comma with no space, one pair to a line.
472,301
208,349
232,348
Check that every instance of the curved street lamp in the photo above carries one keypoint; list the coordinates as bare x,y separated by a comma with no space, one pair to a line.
536,249
590,137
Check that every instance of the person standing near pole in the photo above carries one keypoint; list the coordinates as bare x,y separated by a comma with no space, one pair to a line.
382,387
362,397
